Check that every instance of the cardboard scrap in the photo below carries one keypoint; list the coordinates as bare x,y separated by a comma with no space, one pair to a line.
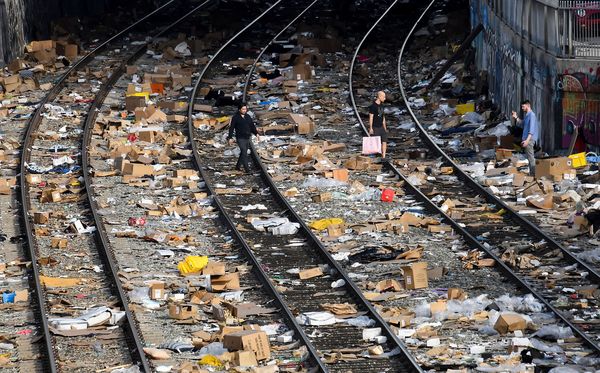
58,282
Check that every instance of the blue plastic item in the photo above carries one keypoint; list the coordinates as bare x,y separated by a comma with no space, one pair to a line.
8,297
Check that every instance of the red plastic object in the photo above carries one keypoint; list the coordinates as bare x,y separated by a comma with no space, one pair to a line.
387,195
137,222
132,137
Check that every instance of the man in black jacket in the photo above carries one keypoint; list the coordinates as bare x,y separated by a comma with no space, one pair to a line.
243,126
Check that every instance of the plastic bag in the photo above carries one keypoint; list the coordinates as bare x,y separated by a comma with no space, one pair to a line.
554,332
371,145
360,321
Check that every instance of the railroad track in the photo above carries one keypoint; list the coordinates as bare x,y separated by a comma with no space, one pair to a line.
281,257
551,222
505,237
85,316
202,233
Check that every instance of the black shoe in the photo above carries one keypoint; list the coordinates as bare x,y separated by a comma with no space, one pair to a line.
237,168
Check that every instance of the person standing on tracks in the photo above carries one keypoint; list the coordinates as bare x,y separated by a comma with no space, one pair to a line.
531,133
377,124
243,126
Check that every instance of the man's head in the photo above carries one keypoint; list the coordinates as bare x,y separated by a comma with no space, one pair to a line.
243,108
381,96
526,106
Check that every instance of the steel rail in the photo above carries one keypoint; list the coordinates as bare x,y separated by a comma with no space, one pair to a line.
489,196
263,51
457,226
105,251
256,265
355,291
32,126
350,81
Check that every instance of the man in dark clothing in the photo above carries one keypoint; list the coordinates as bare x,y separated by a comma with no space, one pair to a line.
243,126
377,124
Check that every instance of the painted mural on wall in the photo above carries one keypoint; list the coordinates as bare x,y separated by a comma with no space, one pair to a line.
580,104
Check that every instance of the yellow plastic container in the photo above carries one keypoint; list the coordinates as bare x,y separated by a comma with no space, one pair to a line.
578,160
192,264
319,225
465,108
146,95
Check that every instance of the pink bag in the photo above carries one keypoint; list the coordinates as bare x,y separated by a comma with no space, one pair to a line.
371,145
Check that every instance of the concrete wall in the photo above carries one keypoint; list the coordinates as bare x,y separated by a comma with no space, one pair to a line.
12,28
517,70
24,20
524,52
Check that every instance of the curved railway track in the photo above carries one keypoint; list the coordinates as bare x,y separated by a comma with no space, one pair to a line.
281,256
85,318
558,270
76,267
151,327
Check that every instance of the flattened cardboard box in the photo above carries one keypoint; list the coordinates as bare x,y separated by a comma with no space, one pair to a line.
230,281
256,341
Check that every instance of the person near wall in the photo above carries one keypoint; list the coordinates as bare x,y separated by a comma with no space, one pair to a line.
243,126
377,124
531,131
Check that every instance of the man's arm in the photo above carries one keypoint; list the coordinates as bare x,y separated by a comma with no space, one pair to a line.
370,122
231,129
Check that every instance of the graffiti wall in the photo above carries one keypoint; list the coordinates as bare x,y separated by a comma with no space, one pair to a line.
516,71
580,105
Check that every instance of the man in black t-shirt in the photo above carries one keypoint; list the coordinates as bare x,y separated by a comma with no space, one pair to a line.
377,125
243,126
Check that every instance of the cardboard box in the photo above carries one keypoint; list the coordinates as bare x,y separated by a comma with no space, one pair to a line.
340,174
203,108
437,307
45,56
304,123
182,311
58,243
137,169
243,310
302,72
335,230
485,143
133,102
456,293
403,320
41,217
50,195
323,197
310,273
157,291
146,136
33,178
553,168
290,86
230,281
214,268
415,276
502,154
68,50
509,322
245,358
38,45
253,340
